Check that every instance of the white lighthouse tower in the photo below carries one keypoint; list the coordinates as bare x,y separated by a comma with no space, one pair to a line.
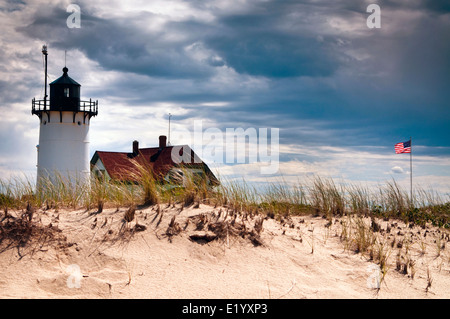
63,150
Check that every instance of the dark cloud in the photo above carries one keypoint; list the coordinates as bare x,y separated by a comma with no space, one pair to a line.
268,40
438,6
250,43
117,44
358,86
12,5
275,55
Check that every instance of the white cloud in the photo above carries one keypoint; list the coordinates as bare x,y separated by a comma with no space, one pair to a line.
397,170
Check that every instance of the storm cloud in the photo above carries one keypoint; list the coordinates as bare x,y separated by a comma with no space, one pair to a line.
311,68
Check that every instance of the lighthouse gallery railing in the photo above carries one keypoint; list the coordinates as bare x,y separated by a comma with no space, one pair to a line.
90,106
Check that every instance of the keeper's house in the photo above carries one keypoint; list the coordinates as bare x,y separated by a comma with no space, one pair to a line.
166,168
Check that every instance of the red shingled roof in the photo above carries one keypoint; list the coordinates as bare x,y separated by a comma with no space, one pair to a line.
122,166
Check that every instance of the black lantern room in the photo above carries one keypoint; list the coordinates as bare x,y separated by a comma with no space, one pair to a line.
64,97
65,93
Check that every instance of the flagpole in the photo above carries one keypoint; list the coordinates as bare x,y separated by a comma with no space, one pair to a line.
410,167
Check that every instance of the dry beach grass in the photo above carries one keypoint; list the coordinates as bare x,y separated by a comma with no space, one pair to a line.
320,241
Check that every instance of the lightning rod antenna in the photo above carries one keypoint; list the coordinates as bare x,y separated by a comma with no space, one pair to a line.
45,53
168,137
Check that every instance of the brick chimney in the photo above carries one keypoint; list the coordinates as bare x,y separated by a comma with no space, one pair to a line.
135,147
162,141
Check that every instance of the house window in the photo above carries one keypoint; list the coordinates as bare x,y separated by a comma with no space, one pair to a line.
66,92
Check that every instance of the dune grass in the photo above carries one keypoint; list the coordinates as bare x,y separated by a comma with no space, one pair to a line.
359,208
318,196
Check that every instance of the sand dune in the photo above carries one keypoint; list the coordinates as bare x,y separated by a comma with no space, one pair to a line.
101,256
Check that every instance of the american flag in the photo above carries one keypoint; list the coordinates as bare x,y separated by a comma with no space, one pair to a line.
404,147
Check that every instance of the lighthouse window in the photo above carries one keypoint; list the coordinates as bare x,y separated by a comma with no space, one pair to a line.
66,92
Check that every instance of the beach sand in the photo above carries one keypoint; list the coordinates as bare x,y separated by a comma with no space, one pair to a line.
100,256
